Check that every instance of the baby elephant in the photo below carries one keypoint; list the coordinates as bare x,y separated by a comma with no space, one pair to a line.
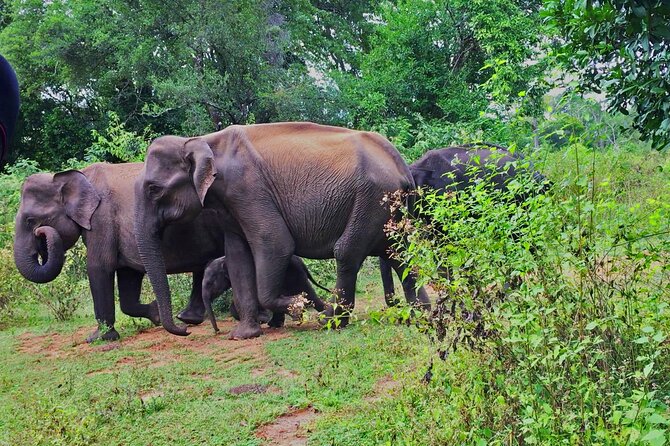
297,281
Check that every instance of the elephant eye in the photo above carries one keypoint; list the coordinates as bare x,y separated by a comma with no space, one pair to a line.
154,190
30,222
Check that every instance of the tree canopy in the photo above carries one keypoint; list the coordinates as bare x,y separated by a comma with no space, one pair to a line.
90,68
621,48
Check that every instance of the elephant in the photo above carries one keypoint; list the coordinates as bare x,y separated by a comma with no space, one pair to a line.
296,282
9,106
97,204
283,189
455,168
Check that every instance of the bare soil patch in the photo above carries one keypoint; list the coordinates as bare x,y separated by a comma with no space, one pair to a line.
383,388
154,347
52,345
248,388
290,429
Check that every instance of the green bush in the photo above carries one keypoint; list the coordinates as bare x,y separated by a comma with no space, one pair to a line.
561,300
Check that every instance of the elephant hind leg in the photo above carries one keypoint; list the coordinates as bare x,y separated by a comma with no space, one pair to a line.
362,233
416,297
386,271
130,287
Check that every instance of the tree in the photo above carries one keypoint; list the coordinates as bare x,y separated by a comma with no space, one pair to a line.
621,48
187,67
432,59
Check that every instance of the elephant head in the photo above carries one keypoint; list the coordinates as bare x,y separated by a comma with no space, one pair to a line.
53,211
171,188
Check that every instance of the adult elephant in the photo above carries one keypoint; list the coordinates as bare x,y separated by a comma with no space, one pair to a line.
9,106
285,188
455,168
97,204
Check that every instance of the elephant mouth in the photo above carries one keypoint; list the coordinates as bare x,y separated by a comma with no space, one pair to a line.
42,255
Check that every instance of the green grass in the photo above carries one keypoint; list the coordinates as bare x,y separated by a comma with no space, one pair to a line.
55,390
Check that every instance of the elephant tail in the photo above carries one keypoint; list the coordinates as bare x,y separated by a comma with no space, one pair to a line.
317,284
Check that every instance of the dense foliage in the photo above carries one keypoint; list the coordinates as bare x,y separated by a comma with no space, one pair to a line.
622,48
563,297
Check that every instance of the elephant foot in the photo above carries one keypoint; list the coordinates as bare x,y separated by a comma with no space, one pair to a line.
153,315
277,320
191,316
334,317
391,300
245,330
109,335
266,317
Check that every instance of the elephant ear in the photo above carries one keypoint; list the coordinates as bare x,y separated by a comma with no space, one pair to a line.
422,177
203,169
78,195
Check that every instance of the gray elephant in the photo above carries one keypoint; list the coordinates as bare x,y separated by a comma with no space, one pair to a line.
97,204
296,282
283,189
455,168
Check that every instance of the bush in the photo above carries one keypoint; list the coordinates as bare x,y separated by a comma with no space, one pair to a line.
562,301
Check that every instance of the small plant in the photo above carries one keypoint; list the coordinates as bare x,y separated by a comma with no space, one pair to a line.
119,144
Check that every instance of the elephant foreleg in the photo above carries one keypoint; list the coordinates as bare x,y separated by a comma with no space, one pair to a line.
272,254
101,282
130,287
243,280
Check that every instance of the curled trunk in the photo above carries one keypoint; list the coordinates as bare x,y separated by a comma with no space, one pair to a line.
149,246
45,244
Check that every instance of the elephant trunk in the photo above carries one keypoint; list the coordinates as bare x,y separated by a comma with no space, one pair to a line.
148,244
47,244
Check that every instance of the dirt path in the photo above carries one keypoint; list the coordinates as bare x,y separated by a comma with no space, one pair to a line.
158,346
290,429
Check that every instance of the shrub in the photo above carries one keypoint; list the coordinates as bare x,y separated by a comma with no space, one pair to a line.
563,299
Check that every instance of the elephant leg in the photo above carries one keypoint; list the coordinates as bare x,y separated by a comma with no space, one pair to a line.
277,320
350,251
418,298
345,290
272,257
264,316
101,282
194,313
243,280
130,286
387,281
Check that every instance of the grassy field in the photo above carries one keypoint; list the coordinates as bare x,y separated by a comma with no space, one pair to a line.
155,388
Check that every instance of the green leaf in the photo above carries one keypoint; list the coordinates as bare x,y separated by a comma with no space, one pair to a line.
657,418
655,437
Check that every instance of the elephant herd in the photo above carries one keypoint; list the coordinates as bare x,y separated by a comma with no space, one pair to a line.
263,195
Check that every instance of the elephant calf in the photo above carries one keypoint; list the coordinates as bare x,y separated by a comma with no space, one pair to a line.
97,204
296,281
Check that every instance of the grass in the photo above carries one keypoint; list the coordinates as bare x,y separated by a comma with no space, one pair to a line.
156,389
